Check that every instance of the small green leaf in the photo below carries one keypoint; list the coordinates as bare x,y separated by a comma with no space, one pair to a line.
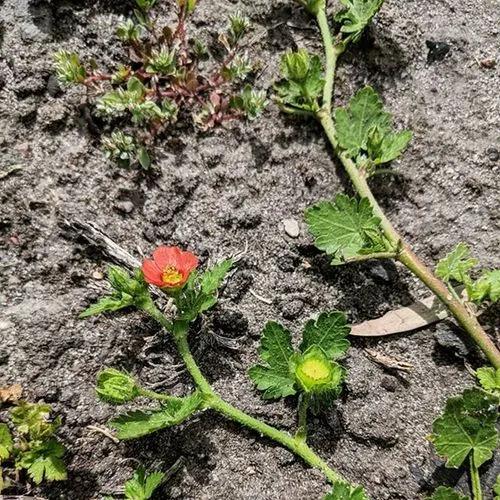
356,16
487,287
116,387
44,461
445,493
345,491
141,423
345,228
364,130
456,265
328,332
32,419
274,377
213,278
496,488
467,426
107,304
142,485
6,442
143,158
489,378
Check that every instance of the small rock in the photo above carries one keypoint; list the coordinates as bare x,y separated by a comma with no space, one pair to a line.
97,275
380,273
437,51
53,87
493,154
291,227
124,206
448,339
488,63
389,384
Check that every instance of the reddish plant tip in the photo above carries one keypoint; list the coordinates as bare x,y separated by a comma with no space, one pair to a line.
170,267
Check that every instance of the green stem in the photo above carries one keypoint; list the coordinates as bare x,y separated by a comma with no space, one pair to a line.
370,256
212,400
477,493
406,256
155,395
301,434
332,53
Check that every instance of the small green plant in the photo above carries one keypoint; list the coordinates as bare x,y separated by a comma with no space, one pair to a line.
364,138
142,485
29,443
312,371
163,81
467,431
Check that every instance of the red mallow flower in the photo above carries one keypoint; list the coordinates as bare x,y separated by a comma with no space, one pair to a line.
170,267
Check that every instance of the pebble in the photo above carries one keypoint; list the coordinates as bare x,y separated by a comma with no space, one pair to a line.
493,154
97,275
124,206
291,227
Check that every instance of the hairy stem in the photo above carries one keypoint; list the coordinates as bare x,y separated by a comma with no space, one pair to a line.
477,493
301,434
212,400
403,252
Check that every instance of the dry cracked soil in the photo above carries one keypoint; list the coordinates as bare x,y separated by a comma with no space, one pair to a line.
218,193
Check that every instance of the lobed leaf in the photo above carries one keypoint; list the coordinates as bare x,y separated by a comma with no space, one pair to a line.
213,278
467,426
489,378
274,377
487,287
345,228
456,265
141,423
142,485
356,16
363,129
346,491
328,332
445,493
44,462
6,442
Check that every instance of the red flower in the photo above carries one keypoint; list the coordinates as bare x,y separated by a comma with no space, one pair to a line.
169,268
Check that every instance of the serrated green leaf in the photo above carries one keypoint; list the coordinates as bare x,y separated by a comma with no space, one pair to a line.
345,491
142,485
489,378
108,304
345,227
487,287
364,129
274,377
456,265
32,419
212,278
141,423
328,332
467,426
44,462
445,493
356,16
6,442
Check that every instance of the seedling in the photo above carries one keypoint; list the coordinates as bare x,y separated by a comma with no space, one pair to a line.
165,79
29,443
363,138
312,371
466,431
142,486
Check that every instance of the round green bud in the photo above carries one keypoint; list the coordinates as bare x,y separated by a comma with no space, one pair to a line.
295,65
116,387
316,373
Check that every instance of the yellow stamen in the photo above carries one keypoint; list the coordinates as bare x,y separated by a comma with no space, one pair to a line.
171,276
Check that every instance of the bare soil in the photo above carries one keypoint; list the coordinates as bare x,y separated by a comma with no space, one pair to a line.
217,193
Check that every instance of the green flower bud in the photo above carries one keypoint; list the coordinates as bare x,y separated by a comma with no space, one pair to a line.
116,387
295,65
316,373
312,6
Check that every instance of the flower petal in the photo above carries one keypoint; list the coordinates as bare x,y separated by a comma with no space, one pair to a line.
152,273
166,256
188,262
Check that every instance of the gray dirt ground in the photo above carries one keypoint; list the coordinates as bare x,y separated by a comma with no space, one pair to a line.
215,194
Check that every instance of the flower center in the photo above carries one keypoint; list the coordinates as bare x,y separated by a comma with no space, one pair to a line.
315,369
171,276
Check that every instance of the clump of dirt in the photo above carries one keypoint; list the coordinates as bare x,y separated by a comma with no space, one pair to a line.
217,194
